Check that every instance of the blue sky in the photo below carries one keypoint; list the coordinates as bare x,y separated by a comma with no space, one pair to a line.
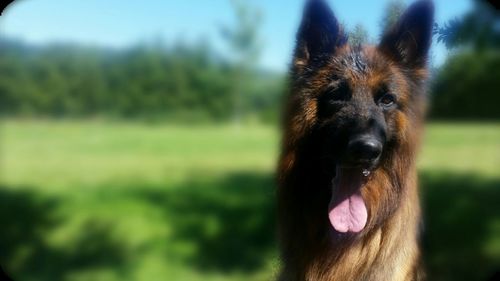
119,23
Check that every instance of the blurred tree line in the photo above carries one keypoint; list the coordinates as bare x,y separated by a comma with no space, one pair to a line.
193,82
467,85
182,82
147,81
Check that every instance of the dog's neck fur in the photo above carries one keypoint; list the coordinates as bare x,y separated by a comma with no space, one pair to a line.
376,256
312,251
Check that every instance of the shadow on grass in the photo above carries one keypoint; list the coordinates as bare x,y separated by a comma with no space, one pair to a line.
228,224
26,220
231,222
462,217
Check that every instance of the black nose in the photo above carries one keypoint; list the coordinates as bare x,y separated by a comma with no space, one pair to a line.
364,149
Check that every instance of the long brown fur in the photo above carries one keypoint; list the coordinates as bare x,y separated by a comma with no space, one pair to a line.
387,248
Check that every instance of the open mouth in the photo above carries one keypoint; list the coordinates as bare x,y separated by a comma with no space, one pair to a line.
347,210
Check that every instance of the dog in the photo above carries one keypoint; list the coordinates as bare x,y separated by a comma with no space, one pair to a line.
348,204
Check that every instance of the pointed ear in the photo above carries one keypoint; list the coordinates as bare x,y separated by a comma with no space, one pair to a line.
319,33
409,40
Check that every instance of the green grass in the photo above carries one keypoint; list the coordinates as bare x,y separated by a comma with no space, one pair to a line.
128,201
462,148
90,153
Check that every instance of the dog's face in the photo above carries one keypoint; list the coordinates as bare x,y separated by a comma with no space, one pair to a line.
359,103
359,100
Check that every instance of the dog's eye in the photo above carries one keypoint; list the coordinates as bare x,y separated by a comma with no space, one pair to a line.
387,100
338,93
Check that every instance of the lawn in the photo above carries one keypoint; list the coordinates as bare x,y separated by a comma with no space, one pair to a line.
90,200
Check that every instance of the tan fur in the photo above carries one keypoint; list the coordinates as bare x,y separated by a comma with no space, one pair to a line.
339,94
387,249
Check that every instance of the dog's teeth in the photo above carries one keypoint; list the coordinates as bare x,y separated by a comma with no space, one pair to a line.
366,172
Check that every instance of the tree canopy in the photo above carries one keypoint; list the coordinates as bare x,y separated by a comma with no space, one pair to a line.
149,80
466,86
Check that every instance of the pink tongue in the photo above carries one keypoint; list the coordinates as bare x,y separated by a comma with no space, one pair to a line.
347,210
349,215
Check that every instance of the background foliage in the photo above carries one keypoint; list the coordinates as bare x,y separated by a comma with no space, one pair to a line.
466,86
179,82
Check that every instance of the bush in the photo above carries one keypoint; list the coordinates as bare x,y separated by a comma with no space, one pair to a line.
466,87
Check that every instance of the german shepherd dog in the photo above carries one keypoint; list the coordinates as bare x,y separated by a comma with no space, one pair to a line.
348,206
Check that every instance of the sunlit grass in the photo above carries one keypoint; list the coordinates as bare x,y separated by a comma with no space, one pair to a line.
462,147
64,154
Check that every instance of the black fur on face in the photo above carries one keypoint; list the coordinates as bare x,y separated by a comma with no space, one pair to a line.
358,91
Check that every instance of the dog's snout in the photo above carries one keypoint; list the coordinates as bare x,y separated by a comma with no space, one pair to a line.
364,149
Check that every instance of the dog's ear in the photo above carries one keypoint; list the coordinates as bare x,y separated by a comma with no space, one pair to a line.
319,34
409,40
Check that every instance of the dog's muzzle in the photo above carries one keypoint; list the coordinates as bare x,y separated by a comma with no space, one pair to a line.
364,150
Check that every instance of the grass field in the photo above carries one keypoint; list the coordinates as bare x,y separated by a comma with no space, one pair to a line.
128,201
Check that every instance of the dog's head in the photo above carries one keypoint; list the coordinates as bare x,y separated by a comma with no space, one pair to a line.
361,104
